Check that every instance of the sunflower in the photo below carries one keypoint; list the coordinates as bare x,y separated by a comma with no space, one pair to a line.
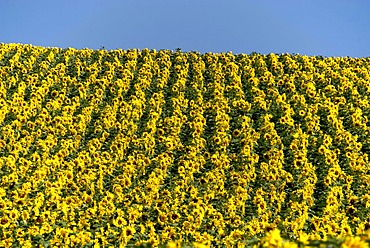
206,155
30,125
351,210
13,214
327,181
160,132
203,181
328,160
217,140
181,170
236,133
267,136
129,232
117,189
119,222
175,217
327,142
321,149
54,93
162,218
20,233
4,222
283,120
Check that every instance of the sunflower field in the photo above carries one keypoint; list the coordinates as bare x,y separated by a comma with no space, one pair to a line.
128,148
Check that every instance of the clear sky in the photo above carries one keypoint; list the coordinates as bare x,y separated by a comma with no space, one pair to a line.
310,27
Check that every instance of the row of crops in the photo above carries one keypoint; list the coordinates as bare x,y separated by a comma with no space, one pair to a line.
131,147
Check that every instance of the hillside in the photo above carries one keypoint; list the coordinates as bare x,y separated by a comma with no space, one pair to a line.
127,147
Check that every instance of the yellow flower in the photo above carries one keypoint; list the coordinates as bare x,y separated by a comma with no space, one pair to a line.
302,112
273,238
181,170
267,136
160,132
354,242
25,243
13,214
2,192
171,245
175,216
4,222
199,245
33,230
119,222
96,243
162,218
20,233
303,237
46,228
117,189
290,245
217,140
127,233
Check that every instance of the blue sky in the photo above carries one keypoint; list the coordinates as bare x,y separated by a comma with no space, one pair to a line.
310,27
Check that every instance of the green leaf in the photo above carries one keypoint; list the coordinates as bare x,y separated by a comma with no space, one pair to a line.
45,243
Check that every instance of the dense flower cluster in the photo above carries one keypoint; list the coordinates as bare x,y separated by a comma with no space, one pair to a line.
126,147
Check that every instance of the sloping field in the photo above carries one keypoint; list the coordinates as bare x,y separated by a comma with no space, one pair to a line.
127,147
